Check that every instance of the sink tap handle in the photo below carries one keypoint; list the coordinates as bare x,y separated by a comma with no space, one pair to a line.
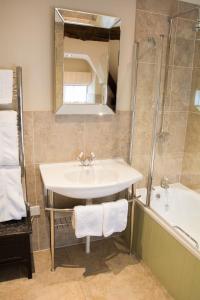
80,157
92,155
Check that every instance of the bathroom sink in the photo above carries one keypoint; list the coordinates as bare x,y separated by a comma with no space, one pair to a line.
103,178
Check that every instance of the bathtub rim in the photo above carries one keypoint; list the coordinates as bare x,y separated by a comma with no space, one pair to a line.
183,241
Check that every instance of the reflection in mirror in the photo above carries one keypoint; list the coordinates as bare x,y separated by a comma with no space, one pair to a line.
86,62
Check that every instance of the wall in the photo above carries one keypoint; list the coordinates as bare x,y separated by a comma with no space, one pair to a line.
191,162
26,35
152,20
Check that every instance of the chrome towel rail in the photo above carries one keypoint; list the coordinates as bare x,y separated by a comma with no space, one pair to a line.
69,210
55,223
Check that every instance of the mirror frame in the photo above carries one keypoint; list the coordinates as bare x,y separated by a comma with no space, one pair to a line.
61,108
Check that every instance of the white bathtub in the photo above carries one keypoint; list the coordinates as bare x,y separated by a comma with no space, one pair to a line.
179,208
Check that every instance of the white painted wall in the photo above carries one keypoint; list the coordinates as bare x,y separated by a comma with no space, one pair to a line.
26,39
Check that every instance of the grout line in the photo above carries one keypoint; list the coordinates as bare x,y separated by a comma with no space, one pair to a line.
171,65
35,180
151,12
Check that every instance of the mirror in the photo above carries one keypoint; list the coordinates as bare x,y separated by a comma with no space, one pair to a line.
86,62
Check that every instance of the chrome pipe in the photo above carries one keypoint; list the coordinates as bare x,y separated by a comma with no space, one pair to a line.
88,242
52,231
133,99
155,123
169,38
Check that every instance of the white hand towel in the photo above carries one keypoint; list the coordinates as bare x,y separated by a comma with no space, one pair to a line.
9,151
115,216
6,86
12,205
88,220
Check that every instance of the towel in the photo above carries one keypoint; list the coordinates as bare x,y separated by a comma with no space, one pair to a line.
12,205
9,151
88,220
115,216
6,86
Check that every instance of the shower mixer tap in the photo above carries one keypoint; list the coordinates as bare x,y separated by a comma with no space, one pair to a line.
164,183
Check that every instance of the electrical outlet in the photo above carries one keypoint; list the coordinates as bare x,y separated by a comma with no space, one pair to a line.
35,211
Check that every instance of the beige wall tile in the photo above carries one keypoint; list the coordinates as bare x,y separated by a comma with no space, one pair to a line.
148,25
184,50
31,184
181,88
143,132
28,137
107,136
192,142
195,87
197,54
191,170
57,139
169,165
35,235
175,125
185,29
184,6
145,86
159,6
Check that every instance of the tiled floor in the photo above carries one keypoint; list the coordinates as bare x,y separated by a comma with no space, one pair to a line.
108,273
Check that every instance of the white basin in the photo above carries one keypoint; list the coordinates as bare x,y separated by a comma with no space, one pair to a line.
104,178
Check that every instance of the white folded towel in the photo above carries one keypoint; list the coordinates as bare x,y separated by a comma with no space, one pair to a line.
12,205
88,220
9,151
115,216
6,86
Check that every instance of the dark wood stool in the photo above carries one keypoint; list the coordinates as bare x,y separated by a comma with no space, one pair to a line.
15,243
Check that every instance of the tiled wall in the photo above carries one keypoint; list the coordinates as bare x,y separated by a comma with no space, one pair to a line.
191,162
50,138
152,21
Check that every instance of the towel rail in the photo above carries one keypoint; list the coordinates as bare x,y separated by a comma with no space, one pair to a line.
54,223
69,210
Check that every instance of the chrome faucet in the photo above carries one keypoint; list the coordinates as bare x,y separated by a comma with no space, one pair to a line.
86,160
164,183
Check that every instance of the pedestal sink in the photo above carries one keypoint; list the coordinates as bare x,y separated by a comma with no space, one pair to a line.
103,178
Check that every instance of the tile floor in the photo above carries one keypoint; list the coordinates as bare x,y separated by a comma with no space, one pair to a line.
108,273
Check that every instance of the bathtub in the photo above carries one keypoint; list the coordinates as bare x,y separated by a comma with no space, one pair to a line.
167,238
179,208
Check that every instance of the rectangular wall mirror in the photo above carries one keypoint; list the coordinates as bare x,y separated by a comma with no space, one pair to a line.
86,62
